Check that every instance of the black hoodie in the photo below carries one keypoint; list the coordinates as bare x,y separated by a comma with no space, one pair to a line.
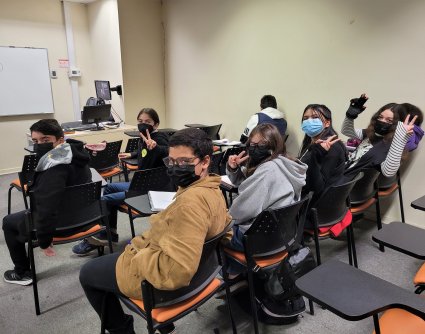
49,182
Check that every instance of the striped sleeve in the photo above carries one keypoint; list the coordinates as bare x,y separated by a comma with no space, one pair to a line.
348,130
391,164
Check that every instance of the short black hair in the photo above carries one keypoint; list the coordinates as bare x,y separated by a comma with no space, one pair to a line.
268,101
151,113
194,138
49,127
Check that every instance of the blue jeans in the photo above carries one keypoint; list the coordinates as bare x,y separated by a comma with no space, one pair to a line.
234,267
114,195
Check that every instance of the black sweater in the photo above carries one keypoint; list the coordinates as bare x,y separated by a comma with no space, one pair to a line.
147,159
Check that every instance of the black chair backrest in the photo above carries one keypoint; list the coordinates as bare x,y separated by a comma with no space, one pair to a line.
333,204
385,182
273,230
106,159
209,267
215,162
132,145
212,131
365,188
28,168
155,179
230,151
80,205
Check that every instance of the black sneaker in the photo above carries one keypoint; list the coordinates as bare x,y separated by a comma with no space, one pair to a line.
101,238
83,248
11,276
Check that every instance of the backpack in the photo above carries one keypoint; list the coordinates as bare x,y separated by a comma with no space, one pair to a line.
280,123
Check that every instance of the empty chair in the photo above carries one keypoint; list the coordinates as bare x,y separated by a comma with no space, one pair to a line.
106,162
212,131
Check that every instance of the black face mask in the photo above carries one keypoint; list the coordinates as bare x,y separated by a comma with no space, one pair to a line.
143,127
381,128
183,177
42,149
257,155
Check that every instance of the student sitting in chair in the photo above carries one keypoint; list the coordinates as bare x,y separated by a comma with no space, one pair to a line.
268,114
168,254
267,179
153,147
62,164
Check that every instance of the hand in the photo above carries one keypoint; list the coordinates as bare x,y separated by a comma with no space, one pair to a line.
235,160
409,125
124,155
356,106
49,251
150,143
326,144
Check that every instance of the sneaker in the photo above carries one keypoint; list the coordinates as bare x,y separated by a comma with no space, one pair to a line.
101,238
11,276
83,248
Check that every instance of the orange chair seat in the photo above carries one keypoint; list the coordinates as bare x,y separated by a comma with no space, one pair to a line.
111,172
398,321
163,314
361,207
79,235
124,208
216,148
17,184
260,261
132,167
420,276
388,191
325,234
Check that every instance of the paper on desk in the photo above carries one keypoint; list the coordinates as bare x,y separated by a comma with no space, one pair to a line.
159,200
226,142
225,181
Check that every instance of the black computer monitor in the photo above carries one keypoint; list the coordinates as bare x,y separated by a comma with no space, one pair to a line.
96,114
103,90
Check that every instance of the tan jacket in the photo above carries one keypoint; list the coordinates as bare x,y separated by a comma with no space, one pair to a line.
168,254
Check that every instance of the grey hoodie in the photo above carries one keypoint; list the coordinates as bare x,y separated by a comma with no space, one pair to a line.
273,185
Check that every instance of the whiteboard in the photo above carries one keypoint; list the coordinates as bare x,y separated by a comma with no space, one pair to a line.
25,86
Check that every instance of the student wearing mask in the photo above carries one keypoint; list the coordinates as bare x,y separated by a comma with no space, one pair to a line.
168,254
321,150
62,164
382,142
153,147
266,179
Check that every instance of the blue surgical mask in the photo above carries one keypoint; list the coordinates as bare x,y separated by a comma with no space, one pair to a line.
312,126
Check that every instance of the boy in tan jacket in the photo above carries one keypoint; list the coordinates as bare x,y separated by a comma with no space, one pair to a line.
168,254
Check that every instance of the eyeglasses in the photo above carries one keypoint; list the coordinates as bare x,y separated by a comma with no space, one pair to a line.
180,162
259,145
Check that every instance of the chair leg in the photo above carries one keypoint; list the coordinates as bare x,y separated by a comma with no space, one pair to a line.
34,279
353,246
378,221
102,315
9,200
316,243
229,308
376,324
350,254
252,300
311,306
130,217
400,197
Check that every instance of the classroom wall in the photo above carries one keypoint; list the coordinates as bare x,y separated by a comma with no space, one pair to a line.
142,53
222,56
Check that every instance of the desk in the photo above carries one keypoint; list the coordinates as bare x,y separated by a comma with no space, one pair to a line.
354,295
196,125
136,133
140,204
419,203
404,238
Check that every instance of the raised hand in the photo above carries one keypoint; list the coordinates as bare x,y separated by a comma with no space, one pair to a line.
356,106
409,125
327,144
235,160
150,143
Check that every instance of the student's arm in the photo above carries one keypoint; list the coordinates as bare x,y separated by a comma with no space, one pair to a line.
236,176
252,123
162,145
174,263
391,164
348,130
48,196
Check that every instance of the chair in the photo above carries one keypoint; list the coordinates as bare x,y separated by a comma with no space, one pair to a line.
106,162
268,241
160,308
330,209
388,185
155,179
28,167
215,162
80,214
212,131
129,164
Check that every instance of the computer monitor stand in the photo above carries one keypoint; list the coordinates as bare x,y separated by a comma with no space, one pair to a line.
97,128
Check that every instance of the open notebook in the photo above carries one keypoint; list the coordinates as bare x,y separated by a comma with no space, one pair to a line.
226,183
159,200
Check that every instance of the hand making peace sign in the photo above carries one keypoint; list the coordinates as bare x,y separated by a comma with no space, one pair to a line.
409,126
150,143
235,160
326,144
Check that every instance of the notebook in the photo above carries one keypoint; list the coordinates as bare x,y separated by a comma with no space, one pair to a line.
159,200
226,183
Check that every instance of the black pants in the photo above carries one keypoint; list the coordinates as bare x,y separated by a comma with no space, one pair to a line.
97,277
16,237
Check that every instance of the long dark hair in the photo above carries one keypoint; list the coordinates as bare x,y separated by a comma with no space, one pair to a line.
370,130
273,139
324,113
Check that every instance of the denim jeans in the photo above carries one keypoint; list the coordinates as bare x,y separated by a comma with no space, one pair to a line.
114,195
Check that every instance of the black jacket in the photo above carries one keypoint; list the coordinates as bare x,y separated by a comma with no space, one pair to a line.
49,184
147,159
